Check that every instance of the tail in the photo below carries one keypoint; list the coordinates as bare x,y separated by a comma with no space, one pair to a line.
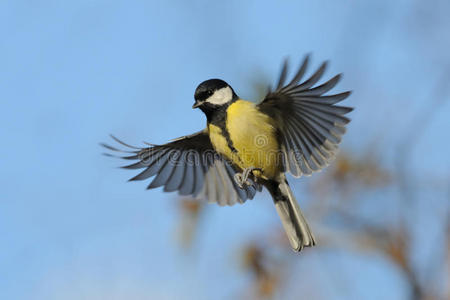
294,223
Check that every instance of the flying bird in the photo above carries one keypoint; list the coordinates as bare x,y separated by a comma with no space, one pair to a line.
246,146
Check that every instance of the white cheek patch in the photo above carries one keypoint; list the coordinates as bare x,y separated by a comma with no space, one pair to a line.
221,96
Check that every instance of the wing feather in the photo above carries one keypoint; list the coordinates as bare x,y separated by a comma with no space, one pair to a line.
298,76
312,80
176,177
162,175
199,173
311,125
282,75
190,166
153,167
321,89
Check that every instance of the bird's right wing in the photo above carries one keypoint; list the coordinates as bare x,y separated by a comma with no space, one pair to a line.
190,166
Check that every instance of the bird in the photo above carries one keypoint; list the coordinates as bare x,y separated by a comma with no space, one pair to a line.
246,145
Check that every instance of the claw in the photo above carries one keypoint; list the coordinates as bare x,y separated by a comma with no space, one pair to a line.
238,180
242,178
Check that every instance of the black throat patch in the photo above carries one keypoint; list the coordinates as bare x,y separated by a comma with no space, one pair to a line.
218,117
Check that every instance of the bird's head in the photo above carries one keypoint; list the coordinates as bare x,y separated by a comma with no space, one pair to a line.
213,94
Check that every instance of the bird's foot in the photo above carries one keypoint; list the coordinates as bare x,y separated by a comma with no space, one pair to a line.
242,178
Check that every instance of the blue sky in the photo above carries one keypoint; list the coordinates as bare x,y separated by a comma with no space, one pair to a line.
73,72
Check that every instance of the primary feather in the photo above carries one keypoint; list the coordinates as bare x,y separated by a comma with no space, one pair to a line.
190,166
310,124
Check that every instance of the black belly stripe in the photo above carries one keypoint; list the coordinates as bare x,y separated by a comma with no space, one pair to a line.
220,120
226,134
230,145
218,117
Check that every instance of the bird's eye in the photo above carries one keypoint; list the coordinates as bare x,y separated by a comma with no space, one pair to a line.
209,92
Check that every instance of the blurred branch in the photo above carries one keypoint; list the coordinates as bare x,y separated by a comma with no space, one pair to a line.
190,210
394,244
404,149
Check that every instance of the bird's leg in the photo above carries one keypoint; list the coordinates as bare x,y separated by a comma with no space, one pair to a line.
242,178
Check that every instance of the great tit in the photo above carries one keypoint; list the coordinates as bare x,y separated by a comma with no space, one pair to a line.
246,146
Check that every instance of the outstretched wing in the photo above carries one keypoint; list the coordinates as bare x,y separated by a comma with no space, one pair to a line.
311,124
190,166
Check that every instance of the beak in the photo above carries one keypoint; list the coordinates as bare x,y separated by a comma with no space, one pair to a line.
196,104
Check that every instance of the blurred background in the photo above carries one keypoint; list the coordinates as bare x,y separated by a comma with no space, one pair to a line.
73,72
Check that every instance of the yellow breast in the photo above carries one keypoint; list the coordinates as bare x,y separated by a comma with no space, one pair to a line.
253,135
219,142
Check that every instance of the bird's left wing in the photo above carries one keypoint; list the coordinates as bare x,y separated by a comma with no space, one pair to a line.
190,166
310,124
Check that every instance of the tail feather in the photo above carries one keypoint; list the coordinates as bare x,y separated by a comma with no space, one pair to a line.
294,223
